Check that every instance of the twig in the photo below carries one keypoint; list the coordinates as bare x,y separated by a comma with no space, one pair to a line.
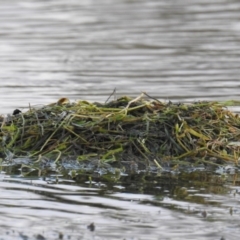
114,91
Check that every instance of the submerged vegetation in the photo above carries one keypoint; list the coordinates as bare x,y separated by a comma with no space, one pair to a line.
130,134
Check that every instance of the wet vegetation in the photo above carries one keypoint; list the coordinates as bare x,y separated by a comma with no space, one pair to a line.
124,135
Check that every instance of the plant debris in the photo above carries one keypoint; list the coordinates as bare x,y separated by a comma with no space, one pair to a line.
132,133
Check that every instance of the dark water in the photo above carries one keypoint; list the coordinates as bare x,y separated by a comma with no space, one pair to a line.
174,50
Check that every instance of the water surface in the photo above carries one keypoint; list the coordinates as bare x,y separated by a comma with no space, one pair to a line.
33,207
184,50
174,50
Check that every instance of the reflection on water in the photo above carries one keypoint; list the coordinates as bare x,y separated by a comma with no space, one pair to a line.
126,209
185,50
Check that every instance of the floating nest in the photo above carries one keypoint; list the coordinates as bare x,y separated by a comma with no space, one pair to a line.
126,133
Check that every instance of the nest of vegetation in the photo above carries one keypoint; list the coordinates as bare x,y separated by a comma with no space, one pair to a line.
137,133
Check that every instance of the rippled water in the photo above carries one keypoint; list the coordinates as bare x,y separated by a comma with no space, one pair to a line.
33,207
185,50
174,50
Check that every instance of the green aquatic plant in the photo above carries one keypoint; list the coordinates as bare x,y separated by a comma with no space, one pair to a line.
128,133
